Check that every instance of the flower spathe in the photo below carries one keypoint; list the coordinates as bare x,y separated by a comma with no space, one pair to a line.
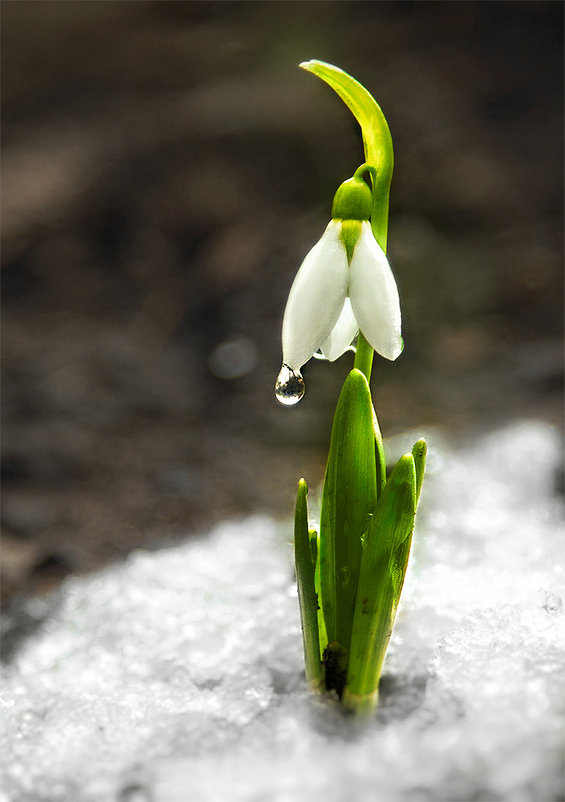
334,296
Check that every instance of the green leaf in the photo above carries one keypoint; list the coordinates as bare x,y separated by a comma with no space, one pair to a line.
419,452
401,553
349,496
385,554
379,455
307,596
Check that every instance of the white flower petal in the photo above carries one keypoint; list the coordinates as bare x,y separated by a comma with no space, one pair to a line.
374,296
315,299
342,333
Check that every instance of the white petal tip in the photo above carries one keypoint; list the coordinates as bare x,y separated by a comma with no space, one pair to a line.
392,353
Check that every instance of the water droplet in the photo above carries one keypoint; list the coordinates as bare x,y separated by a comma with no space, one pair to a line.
289,387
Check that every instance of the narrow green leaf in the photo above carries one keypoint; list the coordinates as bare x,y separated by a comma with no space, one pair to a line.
307,596
419,452
385,552
349,496
313,535
315,544
401,553
379,456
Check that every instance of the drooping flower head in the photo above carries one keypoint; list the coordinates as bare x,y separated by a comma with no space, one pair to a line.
344,285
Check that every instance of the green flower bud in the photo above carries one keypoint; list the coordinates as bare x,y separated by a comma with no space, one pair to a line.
352,206
352,201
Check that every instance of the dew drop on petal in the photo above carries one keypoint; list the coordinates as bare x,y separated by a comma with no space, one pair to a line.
289,387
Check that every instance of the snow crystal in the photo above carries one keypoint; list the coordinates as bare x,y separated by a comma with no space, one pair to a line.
178,675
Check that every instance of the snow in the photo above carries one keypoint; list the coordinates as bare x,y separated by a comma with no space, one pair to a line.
178,675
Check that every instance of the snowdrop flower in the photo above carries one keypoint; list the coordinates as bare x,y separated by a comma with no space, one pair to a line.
344,285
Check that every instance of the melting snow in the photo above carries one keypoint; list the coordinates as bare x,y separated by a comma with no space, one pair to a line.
178,675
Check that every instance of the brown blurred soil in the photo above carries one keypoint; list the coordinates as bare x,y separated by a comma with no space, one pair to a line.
165,169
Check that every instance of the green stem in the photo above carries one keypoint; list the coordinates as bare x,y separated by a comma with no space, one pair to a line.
364,357
377,141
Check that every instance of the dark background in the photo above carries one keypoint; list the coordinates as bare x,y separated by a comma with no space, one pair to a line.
166,167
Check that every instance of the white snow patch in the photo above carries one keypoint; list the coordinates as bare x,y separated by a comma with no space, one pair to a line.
178,676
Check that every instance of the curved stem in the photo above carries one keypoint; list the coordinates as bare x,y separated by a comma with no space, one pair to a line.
377,140
379,156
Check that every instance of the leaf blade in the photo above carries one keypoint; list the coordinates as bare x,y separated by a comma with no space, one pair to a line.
384,553
349,496
307,596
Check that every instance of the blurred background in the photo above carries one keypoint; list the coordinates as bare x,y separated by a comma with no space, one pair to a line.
166,167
